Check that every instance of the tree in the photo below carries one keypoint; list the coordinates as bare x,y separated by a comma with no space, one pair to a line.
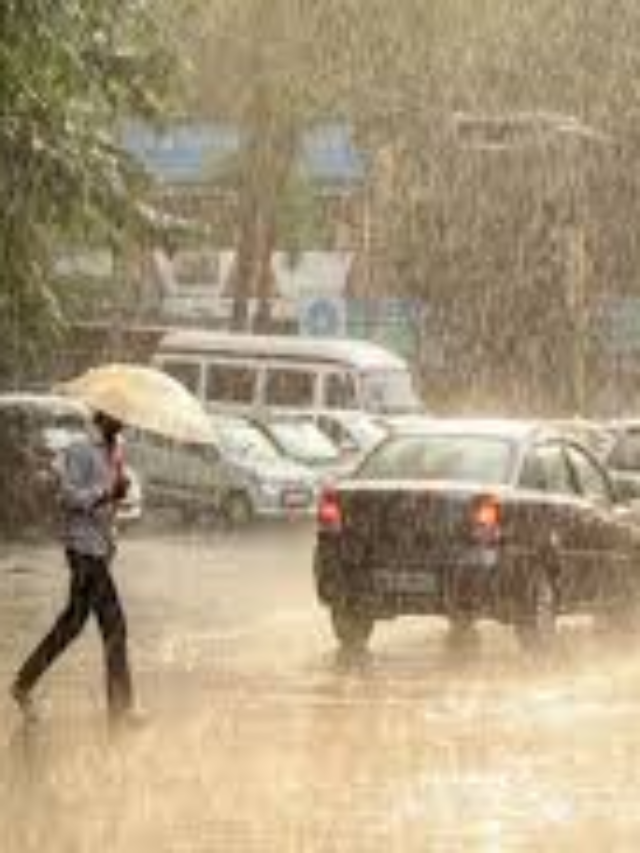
268,69
69,72
472,229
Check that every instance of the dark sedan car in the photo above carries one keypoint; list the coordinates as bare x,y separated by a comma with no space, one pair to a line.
508,520
623,457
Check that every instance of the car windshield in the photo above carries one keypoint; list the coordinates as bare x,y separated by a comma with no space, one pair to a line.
302,440
458,458
244,441
595,437
63,430
58,438
50,428
365,432
625,454
389,392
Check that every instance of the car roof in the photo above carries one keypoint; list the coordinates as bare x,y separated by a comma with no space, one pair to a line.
234,419
344,415
507,428
622,424
288,416
307,422
577,424
361,354
40,403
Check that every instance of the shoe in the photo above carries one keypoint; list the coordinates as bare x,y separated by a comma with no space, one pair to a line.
133,719
24,701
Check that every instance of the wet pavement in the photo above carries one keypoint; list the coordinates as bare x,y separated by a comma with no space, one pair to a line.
260,739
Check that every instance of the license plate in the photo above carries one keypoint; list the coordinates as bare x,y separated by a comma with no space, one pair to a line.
425,583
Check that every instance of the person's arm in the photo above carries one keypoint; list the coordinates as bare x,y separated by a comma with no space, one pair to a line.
121,482
121,488
81,487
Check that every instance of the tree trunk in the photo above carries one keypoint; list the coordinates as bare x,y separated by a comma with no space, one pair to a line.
270,157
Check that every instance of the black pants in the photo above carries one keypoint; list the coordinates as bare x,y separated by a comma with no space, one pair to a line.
92,590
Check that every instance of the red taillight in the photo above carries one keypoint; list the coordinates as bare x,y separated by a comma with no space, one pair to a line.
330,512
487,518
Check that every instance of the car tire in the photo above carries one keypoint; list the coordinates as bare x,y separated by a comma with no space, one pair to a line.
352,628
237,511
536,627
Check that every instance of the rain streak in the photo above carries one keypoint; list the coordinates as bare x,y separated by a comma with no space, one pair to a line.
319,440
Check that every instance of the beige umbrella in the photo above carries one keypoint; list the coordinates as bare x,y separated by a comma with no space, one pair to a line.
145,398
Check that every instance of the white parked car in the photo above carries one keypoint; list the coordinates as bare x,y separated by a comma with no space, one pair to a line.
35,429
301,440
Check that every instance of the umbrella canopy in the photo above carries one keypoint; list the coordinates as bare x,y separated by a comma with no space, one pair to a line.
145,398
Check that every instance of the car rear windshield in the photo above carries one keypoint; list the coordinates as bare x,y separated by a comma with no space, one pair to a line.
303,441
54,427
459,458
243,441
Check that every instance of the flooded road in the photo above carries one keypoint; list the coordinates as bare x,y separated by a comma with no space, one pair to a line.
259,739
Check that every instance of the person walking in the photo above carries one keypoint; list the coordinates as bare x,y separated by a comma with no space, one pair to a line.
92,482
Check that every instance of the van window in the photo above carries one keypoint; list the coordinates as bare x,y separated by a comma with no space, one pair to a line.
289,388
390,392
340,391
186,372
230,383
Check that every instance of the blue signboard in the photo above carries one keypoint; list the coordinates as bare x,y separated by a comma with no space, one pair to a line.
323,316
196,152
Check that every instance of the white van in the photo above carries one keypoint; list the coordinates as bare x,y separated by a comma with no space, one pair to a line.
241,372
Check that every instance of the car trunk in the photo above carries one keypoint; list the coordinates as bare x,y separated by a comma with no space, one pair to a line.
399,523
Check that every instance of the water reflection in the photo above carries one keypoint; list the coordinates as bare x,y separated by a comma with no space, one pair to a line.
399,751
265,740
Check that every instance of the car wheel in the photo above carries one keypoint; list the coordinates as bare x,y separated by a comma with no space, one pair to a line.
351,627
536,628
237,510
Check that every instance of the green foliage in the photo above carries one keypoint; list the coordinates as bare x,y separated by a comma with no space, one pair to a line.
68,71
467,229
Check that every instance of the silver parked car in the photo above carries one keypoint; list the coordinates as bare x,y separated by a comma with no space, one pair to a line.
302,441
266,482
239,477
354,433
